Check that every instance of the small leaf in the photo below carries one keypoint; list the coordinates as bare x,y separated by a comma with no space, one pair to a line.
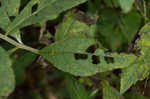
7,79
76,89
126,5
132,74
110,92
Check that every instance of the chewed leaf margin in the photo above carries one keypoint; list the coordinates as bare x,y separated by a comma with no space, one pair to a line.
72,39
140,69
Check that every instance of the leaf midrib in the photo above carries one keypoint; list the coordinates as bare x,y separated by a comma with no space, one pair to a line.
21,21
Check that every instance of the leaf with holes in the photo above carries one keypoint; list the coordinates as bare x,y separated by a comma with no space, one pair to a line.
10,8
70,52
140,69
7,79
35,11
41,10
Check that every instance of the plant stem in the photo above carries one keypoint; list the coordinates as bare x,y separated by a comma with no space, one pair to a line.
22,46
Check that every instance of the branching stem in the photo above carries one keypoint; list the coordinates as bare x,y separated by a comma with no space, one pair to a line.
22,46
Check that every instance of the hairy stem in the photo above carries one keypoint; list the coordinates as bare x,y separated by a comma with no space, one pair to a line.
22,46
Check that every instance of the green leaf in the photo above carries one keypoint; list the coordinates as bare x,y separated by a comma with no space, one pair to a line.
69,52
140,69
7,79
126,5
4,22
110,92
4,16
76,89
134,95
11,7
111,3
46,10
20,65
137,71
118,28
